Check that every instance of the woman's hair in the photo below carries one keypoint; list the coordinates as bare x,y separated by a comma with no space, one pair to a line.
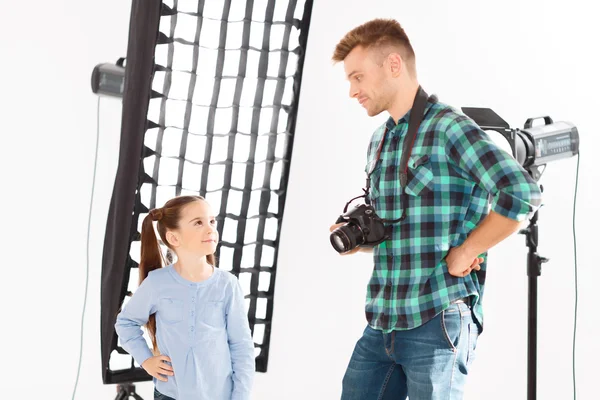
167,219
381,34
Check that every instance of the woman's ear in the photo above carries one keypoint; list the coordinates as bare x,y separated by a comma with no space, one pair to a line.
173,239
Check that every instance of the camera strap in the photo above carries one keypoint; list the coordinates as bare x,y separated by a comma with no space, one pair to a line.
414,121
416,116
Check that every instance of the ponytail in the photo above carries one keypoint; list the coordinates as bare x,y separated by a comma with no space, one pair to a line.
151,259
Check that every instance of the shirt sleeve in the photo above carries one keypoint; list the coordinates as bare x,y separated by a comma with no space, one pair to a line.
130,320
241,345
514,193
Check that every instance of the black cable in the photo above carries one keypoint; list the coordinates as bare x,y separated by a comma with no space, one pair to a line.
576,291
87,251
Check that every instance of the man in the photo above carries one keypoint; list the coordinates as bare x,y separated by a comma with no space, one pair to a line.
463,195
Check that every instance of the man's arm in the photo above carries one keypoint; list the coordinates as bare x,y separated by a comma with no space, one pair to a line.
492,230
514,194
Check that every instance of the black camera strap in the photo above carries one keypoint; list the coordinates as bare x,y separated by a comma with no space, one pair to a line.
414,121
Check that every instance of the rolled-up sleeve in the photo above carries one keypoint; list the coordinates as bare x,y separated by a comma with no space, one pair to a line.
514,193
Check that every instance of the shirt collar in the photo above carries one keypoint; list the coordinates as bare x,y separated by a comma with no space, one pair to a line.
391,124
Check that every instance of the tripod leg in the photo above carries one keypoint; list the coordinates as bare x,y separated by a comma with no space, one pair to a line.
121,394
125,391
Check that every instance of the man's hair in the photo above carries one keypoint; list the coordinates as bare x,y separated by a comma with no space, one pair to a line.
384,34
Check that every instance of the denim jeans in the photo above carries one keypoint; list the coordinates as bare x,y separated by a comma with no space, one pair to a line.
159,396
430,362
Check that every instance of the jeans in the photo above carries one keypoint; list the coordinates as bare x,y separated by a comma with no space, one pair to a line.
430,362
159,396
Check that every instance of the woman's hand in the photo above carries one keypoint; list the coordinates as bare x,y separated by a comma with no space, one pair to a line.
158,368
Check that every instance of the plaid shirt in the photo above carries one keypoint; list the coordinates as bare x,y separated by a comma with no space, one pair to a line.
455,175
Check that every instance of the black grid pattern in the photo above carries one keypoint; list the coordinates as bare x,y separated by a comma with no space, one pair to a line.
220,123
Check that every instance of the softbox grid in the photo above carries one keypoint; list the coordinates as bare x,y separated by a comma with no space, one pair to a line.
220,121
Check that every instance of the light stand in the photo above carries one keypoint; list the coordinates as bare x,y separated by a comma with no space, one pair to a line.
532,147
127,390
534,270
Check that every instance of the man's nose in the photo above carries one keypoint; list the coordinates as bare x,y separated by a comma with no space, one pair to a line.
353,92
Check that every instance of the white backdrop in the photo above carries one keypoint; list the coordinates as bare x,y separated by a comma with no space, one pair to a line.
520,60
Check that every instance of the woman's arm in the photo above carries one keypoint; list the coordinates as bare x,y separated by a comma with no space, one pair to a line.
241,345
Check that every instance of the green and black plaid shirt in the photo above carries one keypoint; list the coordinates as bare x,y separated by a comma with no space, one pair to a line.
455,175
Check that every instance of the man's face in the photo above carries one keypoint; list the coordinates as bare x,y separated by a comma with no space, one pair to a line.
369,82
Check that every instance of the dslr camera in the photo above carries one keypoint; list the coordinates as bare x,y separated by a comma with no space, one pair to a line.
363,228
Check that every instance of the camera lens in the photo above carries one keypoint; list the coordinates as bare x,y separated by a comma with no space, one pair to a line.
346,237
340,242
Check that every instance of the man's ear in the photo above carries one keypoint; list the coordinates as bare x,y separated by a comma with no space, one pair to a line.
173,238
395,63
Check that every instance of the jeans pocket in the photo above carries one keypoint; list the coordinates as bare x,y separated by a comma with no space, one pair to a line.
452,326
473,336
158,395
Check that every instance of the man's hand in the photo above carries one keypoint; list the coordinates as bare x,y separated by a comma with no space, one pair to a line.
460,263
335,226
158,368
354,250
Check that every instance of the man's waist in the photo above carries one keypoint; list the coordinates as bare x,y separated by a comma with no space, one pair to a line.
466,300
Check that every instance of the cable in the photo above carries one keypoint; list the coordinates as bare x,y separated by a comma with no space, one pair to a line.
87,251
576,293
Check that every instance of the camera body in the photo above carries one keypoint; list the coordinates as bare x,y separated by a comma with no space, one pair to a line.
363,228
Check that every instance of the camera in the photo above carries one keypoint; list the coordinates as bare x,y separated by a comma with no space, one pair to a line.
363,228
